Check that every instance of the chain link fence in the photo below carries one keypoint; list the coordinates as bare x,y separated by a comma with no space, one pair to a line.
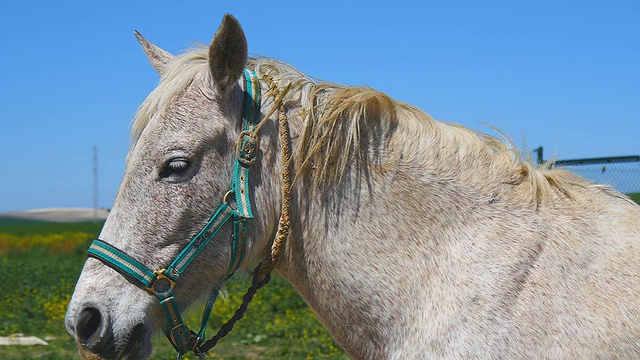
622,173
623,177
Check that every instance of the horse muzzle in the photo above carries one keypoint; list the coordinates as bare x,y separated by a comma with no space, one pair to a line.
93,333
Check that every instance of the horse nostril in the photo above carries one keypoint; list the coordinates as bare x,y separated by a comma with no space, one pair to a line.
92,330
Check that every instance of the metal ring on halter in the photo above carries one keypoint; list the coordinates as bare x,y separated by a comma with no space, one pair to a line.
159,277
226,196
225,200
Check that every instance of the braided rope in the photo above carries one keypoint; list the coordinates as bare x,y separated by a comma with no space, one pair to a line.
284,223
201,350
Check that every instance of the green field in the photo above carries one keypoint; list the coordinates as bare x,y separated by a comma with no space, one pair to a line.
41,262
22,227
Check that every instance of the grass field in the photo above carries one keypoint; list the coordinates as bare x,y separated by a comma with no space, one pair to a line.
41,262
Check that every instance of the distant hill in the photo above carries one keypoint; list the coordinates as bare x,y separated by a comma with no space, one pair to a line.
65,215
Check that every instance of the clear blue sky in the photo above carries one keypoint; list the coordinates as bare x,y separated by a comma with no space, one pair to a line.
561,74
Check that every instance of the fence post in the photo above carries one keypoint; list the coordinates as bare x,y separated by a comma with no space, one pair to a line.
540,157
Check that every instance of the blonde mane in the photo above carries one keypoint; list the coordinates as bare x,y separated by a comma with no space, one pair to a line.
345,124
337,119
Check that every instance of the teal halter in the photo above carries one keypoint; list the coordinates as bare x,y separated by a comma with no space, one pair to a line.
161,282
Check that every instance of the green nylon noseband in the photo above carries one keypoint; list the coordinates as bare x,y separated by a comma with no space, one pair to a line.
162,281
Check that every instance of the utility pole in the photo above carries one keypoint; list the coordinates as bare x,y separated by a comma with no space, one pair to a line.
540,155
95,183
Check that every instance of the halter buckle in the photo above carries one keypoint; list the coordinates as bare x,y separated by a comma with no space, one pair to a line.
180,336
247,145
159,280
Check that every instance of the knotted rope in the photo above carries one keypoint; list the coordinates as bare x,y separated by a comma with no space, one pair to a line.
284,223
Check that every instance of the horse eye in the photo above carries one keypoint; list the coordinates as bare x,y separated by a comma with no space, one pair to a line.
175,168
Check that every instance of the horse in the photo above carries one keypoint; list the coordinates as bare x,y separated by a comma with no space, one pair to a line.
408,237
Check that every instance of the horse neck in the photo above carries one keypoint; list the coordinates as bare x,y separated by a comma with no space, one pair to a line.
391,254
359,246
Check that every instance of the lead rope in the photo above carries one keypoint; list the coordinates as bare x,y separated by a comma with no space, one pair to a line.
285,223
262,273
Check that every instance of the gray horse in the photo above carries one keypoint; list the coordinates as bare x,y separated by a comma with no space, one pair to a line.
410,238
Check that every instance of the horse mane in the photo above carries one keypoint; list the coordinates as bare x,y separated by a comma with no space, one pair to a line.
343,125
338,123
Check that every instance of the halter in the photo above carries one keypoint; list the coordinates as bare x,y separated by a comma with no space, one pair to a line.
161,282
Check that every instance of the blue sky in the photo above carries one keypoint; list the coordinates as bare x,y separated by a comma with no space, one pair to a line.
560,74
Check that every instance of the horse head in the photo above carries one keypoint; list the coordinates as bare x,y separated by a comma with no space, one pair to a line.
178,170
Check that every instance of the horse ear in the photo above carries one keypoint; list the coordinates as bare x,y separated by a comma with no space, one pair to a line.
157,57
227,53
